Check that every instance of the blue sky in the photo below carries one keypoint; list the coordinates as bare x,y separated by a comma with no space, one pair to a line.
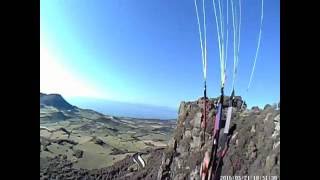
148,51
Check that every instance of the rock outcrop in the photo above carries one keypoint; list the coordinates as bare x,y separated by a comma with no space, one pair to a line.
254,148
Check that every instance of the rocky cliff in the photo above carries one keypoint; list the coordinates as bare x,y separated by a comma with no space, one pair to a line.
254,148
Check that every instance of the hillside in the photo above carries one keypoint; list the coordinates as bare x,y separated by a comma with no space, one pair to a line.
254,149
89,139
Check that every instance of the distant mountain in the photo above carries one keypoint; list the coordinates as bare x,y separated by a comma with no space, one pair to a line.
114,108
122,109
55,100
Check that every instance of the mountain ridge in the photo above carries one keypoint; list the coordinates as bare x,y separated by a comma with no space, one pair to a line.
55,100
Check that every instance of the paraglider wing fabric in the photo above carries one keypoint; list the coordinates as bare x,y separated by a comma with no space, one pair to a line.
217,123
141,161
229,113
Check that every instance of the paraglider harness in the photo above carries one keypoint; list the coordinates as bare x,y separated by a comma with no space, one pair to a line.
218,151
